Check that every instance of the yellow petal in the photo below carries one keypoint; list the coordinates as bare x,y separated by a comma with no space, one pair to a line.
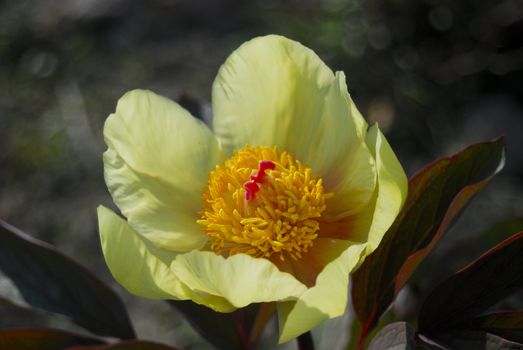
270,91
143,269
240,279
135,263
327,299
274,91
156,167
342,159
340,131
353,184
392,187
153,207
371,222
314,260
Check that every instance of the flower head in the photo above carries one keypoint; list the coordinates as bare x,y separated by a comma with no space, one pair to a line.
279,204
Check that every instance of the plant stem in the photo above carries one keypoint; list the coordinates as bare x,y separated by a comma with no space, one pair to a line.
239,318
305,341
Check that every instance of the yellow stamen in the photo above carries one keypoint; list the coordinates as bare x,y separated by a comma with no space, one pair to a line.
280,218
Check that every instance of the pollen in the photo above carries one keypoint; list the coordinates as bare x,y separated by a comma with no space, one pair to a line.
263,203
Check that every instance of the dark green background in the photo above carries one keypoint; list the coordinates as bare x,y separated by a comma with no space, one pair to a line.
436,75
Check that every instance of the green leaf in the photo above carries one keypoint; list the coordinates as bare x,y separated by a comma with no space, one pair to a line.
41,339
398,336
127,345
507,324
437,194
475,340
495,275
51,281
228,331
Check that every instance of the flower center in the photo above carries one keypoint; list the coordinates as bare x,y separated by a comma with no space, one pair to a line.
262,203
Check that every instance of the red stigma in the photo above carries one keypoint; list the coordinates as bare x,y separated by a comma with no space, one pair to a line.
250,189
251,186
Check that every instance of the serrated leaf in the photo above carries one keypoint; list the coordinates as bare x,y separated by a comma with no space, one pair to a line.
486,281
41,339
49,280
437,194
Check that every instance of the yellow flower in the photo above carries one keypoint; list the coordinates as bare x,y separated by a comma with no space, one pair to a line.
279,204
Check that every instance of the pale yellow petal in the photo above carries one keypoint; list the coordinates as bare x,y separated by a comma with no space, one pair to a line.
342,158
353,184
270,91
327,299
340,131
240,279
156,167
344,161
373,220
274,91
308,267
143,269
392,187
135,263
153,207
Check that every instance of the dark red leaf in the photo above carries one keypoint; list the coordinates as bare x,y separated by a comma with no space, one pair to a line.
486,281
474,340
398,336
126,345
437,194
49,280
41,339
507,324
13,315
227,331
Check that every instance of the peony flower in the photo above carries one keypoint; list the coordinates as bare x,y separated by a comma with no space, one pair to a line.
279,204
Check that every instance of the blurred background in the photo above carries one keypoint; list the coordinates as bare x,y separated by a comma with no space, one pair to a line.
436,75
